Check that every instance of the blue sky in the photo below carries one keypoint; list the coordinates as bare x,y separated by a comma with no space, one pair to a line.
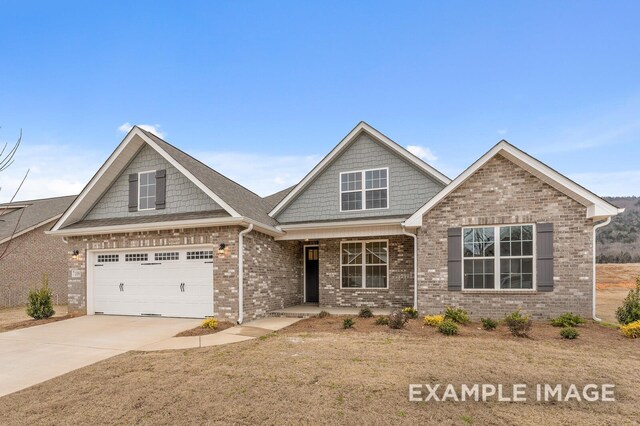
262,90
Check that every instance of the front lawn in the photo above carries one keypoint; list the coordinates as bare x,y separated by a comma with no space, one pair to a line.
315,372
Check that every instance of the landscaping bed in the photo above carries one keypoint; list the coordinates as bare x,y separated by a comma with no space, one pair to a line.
202,331
16,318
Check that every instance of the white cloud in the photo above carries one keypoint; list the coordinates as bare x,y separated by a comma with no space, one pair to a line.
54,170
152,128
422,152
262,174
621,183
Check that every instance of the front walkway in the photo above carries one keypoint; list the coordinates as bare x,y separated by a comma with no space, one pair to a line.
239,333
307,310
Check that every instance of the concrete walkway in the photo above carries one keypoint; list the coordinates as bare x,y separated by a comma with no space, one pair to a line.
307,310
239,333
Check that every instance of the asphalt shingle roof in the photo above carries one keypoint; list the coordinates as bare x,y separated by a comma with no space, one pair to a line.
35,212
242,200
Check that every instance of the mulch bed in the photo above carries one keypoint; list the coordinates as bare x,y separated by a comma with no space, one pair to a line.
199,331
32,323
541,330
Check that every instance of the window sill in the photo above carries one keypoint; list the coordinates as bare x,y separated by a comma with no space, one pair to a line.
517,291
365,288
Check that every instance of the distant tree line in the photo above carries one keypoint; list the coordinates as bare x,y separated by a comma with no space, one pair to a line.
622,257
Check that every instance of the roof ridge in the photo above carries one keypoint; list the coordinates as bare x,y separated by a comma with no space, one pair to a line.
36,199
195,159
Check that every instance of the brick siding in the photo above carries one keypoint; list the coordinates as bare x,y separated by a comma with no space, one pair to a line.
400,287
28,257
272,274
500,192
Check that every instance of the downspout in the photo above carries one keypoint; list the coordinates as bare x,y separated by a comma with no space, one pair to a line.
595,228
241,235
415,265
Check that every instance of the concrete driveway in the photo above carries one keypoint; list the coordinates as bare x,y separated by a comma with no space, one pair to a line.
33,355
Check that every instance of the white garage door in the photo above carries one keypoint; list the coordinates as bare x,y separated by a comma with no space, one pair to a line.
168,282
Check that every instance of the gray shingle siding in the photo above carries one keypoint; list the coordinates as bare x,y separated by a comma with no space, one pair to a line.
409,187
182,194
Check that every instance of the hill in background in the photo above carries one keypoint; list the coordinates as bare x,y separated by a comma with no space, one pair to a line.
619,242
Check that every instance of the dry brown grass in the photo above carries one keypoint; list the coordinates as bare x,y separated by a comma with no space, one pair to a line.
617,275
15,318
315,372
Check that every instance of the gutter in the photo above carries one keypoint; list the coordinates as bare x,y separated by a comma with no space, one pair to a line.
595,228
241,235
415,264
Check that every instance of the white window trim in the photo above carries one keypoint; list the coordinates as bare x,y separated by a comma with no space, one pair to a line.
143,173
363,191
497,258
364,264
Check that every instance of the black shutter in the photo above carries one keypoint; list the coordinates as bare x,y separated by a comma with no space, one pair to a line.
454,262
544,256
133,192
161,188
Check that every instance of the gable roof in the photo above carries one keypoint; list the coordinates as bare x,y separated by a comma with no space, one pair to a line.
353,135
24,216
236,200
273,199
597,208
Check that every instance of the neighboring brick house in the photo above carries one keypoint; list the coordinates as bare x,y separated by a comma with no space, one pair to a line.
27,253
156,232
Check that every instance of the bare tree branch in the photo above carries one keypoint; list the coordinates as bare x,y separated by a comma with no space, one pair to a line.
6,160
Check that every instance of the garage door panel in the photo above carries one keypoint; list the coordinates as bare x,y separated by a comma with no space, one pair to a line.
161,281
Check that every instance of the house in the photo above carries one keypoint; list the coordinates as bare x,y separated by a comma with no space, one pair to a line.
156,232
26,253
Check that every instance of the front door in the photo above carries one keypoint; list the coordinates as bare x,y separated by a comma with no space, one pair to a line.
312,274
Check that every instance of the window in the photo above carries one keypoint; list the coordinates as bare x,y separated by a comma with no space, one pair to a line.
503,265
105,258
167,256
202,254
372,195
136,257
364,264
147,190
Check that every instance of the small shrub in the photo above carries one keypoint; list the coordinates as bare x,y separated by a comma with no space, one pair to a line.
410,312
630,310
365,312
631,330
448,327
211,323
518,324
324,314
40,301
568,320
382,320
489,324
569,333
397,319
433,320
458,315
348,323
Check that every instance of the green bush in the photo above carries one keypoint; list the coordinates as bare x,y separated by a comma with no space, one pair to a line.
518,324
365,312
569,333
630,310
324,314
348,323
489,324
448,327
397,319
40,301
382,320
568,320
458,315
410,312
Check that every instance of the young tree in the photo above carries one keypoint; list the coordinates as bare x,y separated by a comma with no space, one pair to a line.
7,158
